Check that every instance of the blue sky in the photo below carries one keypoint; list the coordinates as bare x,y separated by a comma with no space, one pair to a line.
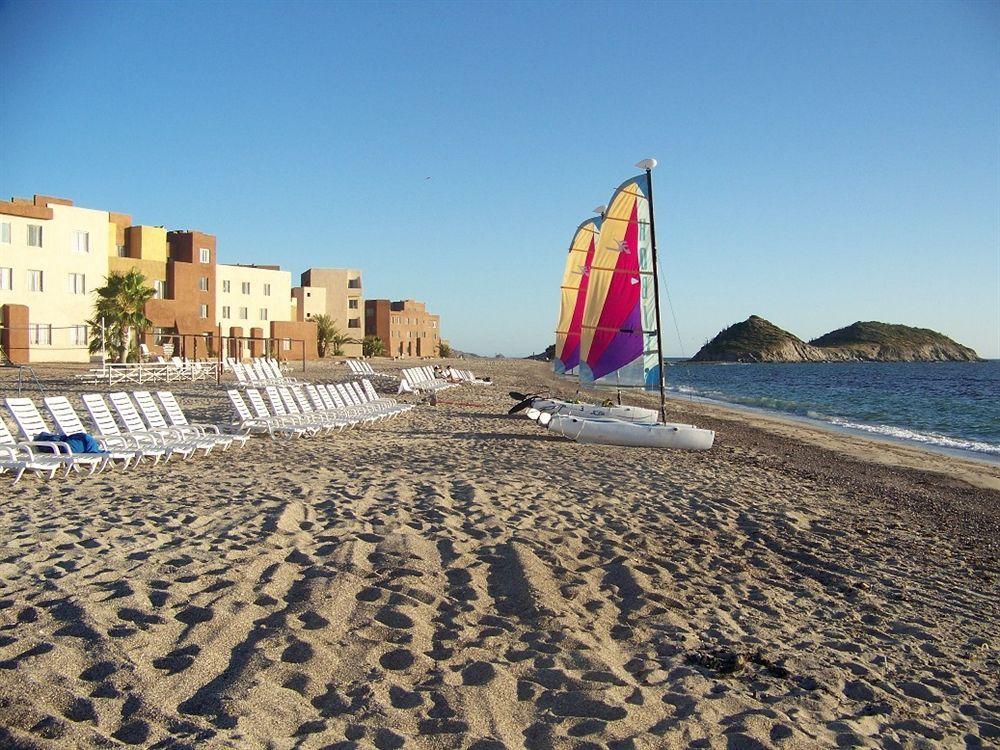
820,163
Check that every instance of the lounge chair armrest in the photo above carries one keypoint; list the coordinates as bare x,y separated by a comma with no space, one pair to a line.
61,446
8,451
207,427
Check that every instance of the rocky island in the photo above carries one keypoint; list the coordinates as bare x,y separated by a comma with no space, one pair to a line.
758,340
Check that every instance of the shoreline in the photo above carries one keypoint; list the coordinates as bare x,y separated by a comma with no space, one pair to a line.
985,457
978,470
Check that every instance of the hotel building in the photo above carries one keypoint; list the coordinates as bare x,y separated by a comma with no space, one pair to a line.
52,255
405,327
336,292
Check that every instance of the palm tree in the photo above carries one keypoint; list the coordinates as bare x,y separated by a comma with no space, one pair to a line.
372,346
328,336
324,333
120,309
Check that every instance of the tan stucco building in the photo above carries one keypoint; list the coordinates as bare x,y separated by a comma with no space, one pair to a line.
405,327
336,292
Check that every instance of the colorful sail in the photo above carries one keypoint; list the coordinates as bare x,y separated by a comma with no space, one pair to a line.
574,292
618,330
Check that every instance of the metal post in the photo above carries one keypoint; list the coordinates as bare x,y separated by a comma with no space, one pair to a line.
656,295
303,355
218,367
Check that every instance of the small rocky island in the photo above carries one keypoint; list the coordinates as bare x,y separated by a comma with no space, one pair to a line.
759,340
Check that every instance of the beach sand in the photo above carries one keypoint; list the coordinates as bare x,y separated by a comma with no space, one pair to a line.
459,578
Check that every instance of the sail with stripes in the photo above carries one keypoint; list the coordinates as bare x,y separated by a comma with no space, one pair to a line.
573,294
618,331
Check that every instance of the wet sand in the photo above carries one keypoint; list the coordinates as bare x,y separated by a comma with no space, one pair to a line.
459,578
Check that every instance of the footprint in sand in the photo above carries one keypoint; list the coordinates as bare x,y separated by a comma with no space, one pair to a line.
397,660
297,652
478,673
394,618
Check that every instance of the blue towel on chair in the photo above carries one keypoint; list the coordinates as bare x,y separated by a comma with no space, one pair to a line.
78,442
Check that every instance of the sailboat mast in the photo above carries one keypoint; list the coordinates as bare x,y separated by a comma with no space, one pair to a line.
656,296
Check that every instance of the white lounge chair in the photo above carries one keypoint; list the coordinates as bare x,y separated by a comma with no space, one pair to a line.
167,436
245,420
154,417
178,419
152,446
15,453
280,417
30,423
282,401
66,420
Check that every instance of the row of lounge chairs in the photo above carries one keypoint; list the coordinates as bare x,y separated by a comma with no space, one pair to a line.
307,409
363,369
145,433
259,373
416,379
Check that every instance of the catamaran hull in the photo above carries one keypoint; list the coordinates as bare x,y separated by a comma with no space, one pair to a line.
635,414
630,434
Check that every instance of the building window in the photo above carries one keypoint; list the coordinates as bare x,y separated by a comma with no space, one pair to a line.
286,344
243,313
246,287
354,323
159,289
352,304
354,284
6,279
203,311
226,286
205,255
40,334
78,336
81,241
35,235
5,232
203,283
77,283
226,312
263,313
122,251
309,294
34,281
267,290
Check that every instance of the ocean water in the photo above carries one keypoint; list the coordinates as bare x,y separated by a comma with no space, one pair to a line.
950,405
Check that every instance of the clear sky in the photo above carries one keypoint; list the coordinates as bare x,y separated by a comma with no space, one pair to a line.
820,163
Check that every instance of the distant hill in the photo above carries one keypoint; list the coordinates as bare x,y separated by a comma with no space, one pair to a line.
758,340
898,343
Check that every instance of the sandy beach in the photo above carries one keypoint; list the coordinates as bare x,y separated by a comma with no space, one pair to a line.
459,578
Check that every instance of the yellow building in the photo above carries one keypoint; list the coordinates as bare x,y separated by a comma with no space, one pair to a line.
52,256
343,301
249,296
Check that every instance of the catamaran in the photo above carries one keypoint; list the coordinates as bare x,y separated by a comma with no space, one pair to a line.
609,326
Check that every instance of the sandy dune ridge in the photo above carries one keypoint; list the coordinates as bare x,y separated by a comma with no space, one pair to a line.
458,578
